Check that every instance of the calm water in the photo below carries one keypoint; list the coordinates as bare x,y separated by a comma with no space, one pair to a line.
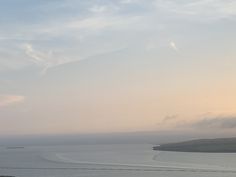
120,160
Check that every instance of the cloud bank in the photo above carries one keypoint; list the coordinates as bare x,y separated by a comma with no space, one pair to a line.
220,122
7,100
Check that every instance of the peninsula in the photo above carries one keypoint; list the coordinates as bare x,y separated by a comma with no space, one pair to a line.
219,145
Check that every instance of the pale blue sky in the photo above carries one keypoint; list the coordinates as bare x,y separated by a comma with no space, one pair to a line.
74,66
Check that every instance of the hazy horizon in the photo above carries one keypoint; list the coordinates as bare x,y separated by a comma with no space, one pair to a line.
152,138
103,66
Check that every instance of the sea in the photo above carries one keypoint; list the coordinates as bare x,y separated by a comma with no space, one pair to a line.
112,160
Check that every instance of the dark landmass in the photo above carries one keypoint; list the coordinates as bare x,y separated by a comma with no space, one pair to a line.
219,145
15,147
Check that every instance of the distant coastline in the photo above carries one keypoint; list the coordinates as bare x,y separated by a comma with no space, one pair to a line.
219,145
15,147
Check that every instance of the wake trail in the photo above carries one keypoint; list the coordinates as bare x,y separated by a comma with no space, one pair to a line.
57,158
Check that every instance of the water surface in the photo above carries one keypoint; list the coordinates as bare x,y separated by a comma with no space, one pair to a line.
113,160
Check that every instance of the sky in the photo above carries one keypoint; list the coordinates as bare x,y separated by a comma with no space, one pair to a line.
102,66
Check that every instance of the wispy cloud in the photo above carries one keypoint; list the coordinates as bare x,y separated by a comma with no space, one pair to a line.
48,60
45,60
201,10
128,1
108,8
173,46
107,23
38,57
102,22
98,9
7,100
169,118
91,23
